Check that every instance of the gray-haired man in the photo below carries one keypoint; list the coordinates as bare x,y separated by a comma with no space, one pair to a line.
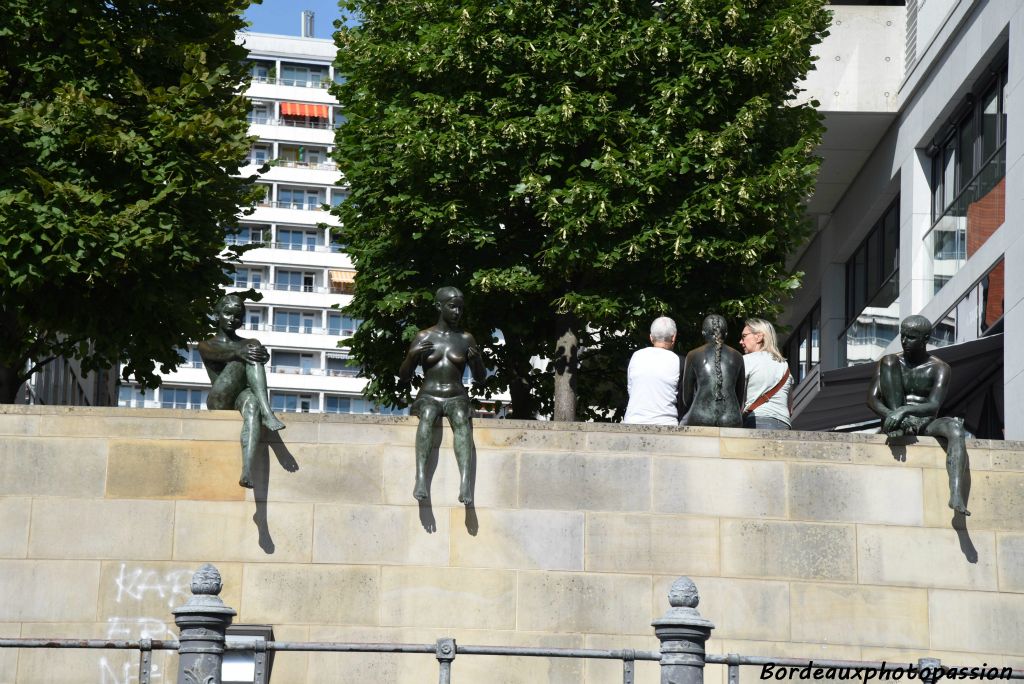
653,378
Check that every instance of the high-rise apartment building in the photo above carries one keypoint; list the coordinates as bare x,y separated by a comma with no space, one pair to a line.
300,269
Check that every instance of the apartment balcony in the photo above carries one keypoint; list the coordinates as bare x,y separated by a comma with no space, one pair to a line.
317,339
321,256
292,90
295,213
267,128
285,171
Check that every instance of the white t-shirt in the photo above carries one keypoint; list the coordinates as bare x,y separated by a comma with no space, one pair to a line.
653,380
763,373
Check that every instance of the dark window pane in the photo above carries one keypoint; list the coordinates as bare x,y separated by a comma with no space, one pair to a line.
874,261
989,122
891,242
966,152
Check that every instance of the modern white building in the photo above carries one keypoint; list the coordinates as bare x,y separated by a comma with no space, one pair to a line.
918,208
299,268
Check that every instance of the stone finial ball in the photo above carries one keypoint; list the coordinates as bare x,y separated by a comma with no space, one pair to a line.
683,594
206,581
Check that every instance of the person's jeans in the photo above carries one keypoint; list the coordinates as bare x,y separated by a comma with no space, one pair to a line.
762,423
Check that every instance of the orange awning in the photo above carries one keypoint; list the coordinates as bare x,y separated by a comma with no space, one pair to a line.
302,109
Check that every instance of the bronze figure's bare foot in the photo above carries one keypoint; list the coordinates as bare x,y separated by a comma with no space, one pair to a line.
420,493
466,499
272,422
245,481
959,507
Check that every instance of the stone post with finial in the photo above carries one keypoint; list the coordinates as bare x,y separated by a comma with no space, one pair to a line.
683,633
202,621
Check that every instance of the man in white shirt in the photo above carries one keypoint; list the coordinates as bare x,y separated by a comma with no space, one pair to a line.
653,379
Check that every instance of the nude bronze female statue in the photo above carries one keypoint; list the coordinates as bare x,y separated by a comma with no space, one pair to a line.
444,350
713,379
235,367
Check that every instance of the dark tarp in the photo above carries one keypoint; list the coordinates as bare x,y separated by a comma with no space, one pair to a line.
976,392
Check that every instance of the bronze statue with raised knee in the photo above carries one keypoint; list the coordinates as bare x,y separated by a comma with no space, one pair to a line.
907,392
235,367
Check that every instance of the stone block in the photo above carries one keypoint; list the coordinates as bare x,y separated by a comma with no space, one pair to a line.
925,453
976,621
785,450
783,649
729,488
936,557
292,666
856,615
52,467
763,548
864,494
219,531
996,500
1010,547
216,426
1005,458
585,603
9,656
174,469
390,535
522,540
130,590
101,528
591,482
15,512
334,473
310,594
447,598
29,596
739,608
531,439
19,425
347,433
496,483
677,442
651,544
104,424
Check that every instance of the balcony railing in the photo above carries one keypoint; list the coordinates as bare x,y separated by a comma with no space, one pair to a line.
270,121
301,206
296,82
296,370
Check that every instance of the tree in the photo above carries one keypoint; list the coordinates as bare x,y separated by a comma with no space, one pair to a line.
121,123
577,167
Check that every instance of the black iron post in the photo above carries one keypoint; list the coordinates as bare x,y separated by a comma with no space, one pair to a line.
203,620
683,633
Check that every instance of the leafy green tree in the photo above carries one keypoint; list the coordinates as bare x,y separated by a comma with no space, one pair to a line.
121,122
577,167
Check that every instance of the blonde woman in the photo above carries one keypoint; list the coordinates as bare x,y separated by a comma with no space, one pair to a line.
768,380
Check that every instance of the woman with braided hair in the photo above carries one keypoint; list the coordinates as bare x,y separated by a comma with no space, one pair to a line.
713,379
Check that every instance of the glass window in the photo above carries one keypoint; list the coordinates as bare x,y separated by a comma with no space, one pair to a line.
989,122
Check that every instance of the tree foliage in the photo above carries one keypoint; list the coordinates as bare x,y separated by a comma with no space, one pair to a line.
121,123
577,167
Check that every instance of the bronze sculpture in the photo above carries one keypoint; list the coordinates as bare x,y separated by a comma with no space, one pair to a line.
444,350
907,391
239,381
712,386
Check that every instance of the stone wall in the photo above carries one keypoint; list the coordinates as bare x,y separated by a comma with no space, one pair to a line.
802,544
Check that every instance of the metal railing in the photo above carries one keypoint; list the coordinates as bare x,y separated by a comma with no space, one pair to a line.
204,619
304,206
293,123
296,82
